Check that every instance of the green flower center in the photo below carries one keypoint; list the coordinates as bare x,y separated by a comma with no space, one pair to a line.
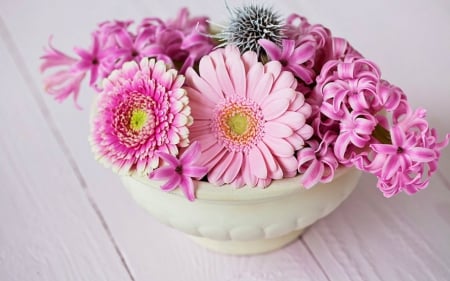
238,123
138,119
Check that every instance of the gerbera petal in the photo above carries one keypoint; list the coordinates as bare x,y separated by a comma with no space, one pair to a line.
223,76
285,80
292,119
217,172
276,129
256,162
279,146
237,73
263,87
275,107
253,78
233,168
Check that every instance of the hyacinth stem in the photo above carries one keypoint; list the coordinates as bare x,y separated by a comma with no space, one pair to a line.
382,135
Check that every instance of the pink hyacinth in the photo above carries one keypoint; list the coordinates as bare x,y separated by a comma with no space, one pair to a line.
249,119
317,162
297,59
142,111
326,47
351,83
179,172
408,158
180,43
66,79
356,130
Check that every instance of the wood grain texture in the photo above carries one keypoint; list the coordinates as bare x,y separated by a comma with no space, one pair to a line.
368,238
48,229
371,238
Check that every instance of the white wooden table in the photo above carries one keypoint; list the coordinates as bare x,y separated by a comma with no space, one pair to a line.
64,217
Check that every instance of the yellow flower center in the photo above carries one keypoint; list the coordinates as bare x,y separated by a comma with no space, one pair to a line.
238,123
138,119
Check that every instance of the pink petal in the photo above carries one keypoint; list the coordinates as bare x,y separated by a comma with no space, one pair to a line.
275,107
384,148
188,188
237,73
195,171
190,154
234,168
422,155
170,159
279,130
173,183
216,174
223,76
270,162
312,175
263,87
279,146
303,53
292,119
256,162
273,67
272,50
162,173
253,78
285,80
390,167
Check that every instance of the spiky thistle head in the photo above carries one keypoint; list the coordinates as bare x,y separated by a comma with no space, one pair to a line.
248,25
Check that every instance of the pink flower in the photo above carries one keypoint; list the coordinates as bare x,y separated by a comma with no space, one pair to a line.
317,162
351,83
295,58
407,163
179,173
249,119
66,80
93,61
402,153
178,42
356,130
326,47
141,111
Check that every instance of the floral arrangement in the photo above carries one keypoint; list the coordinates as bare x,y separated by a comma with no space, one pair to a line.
260,99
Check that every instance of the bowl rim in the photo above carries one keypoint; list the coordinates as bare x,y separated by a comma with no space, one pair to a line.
227,192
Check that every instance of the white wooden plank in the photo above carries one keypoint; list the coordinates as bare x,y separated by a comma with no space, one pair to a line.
373,238
152,251
48,229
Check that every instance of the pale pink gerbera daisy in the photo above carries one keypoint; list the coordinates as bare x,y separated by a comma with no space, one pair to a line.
248,118
141,111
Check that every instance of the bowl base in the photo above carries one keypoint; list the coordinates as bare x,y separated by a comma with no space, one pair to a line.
251,247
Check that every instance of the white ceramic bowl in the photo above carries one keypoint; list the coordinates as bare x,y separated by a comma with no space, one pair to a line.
246,220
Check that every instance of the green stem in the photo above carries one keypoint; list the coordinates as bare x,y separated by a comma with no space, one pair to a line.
381,134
